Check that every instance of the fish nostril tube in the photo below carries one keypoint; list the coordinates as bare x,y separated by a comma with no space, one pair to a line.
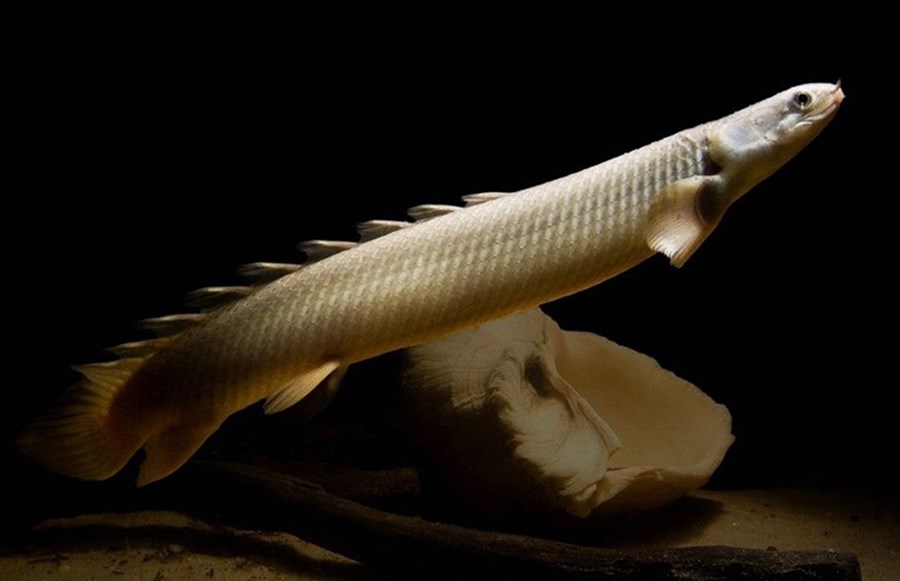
838,96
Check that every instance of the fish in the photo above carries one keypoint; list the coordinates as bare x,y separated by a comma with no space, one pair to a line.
407,283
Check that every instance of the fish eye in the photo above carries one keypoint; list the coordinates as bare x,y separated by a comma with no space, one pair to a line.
802,99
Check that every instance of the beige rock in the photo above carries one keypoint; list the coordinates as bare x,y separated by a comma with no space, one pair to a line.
521,416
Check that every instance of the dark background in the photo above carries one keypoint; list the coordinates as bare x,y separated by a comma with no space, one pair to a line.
155,161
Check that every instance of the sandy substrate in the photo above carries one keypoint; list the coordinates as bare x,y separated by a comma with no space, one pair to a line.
154,546
798,519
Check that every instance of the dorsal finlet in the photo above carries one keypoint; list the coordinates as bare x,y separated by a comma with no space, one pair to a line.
317,250
373,229
140,349
213,297
109,373
429,211
481,198
172,324
266,272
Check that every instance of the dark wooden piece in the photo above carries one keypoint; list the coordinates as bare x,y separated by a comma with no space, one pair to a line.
261,498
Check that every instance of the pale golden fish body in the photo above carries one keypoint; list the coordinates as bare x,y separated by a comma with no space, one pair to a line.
452,269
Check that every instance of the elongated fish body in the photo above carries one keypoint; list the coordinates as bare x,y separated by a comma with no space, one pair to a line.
451,269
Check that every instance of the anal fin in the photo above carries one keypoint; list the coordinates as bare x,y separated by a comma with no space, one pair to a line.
298,388
683,214
169,449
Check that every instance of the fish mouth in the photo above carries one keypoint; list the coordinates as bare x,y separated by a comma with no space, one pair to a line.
826,109
830,106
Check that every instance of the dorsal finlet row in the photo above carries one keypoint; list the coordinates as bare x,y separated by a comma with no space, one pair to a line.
259,273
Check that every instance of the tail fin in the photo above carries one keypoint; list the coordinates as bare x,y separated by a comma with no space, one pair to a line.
76,437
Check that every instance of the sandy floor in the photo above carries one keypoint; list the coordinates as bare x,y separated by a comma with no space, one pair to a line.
153,546
798,519
159,545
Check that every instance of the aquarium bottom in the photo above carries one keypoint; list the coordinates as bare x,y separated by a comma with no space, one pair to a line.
157,545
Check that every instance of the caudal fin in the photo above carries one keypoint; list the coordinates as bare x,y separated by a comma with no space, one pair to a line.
76,437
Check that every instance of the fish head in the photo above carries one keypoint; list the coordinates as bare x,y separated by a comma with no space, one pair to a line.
753,143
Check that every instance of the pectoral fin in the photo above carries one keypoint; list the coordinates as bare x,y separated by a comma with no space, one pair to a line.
298,388
683,215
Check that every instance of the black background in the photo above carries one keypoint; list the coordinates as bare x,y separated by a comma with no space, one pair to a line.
151,160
